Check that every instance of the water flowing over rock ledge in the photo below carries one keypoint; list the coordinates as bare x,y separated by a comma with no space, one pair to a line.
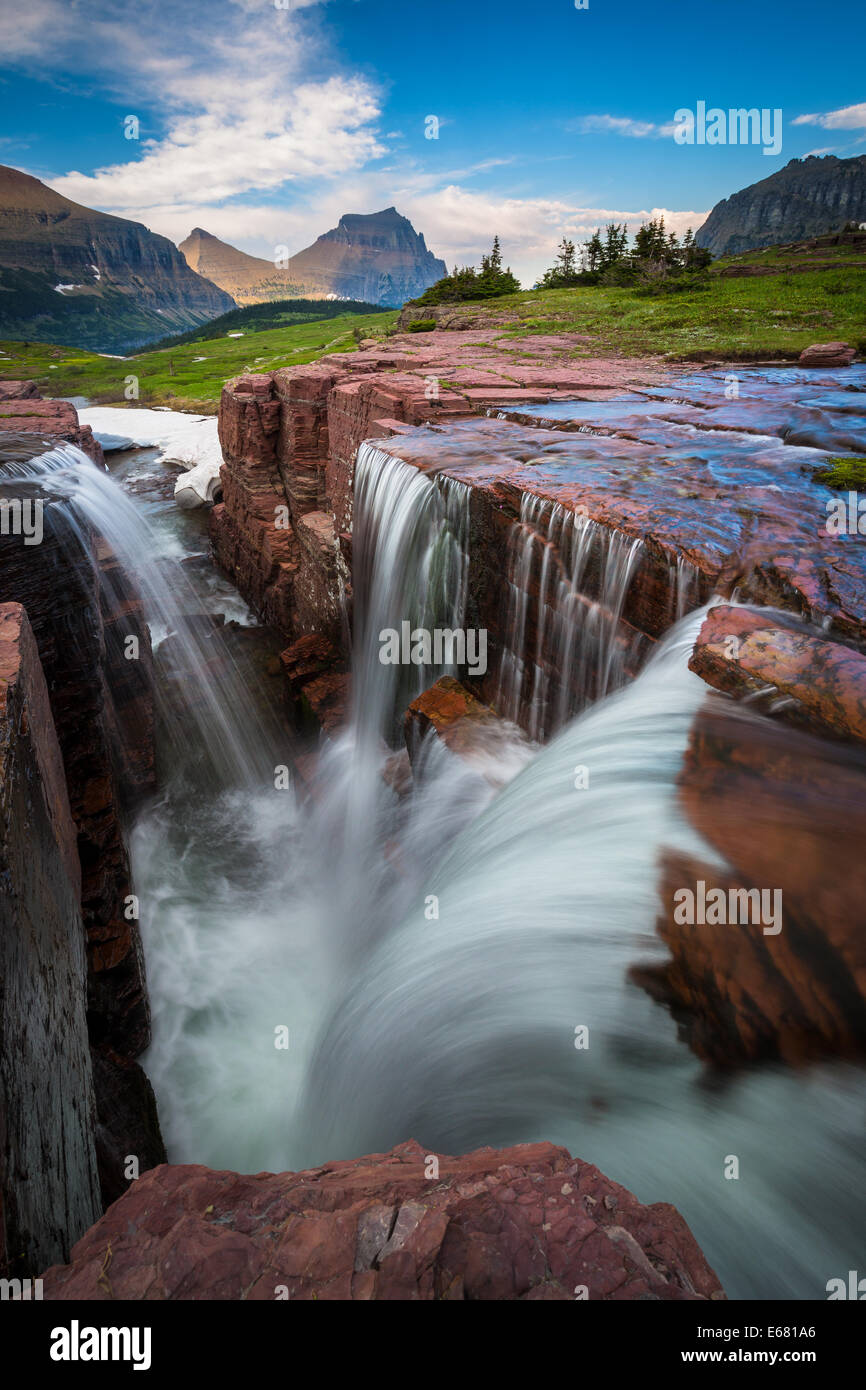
606,499
717,493
523,1223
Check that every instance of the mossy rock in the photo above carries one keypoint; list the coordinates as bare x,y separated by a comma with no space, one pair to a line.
845,471
422,326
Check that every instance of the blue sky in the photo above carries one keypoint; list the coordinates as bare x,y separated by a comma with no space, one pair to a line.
262,122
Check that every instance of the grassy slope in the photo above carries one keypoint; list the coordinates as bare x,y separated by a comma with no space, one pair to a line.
172,376
749,318
746,319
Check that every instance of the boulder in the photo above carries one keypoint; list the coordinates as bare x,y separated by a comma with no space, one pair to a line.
782,814
493,747
828,355
523,1223
802,677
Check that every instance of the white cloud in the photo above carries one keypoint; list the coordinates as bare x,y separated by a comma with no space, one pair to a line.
845,118
623,125
260,143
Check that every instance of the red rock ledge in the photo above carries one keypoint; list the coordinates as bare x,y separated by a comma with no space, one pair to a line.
523,1223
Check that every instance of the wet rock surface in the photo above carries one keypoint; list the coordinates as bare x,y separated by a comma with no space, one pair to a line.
795,673
469,729
783,814
521,1223
82,609
49,1191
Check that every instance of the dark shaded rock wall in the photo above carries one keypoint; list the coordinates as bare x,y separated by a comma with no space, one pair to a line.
49,1188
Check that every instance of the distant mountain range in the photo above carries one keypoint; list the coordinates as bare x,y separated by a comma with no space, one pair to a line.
807,198
71,275
377,257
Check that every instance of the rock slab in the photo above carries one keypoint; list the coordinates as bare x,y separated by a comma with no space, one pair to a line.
523,1223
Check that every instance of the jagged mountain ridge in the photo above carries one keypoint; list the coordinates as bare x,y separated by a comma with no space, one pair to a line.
808,197
376,257
122,285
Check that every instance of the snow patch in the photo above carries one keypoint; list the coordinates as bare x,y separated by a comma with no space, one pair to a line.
190,441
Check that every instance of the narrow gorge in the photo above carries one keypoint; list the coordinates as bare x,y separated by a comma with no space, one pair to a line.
360,979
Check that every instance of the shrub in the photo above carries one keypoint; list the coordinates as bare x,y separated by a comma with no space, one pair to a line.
465,283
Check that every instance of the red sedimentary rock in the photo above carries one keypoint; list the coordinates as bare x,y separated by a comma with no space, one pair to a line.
523,1223
289,439
469,729
785,811
19,391
828,355
814,683
425,396
785,815
318,680
52,422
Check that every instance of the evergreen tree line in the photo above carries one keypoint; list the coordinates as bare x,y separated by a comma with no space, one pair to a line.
658,261
656,257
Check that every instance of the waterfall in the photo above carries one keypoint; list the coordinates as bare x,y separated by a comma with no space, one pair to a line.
410,551
260,913
579,648
207,689
459,1031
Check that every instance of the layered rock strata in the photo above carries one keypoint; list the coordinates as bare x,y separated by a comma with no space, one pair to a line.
49,1186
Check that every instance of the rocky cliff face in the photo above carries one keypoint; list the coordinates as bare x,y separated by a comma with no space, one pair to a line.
290,440
375,257
72,275
806,198
49,1191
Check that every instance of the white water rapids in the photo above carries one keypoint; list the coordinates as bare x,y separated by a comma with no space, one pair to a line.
260,911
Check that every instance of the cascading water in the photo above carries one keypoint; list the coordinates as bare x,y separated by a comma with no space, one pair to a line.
579,651
410,547
460,1032
258,914
205,693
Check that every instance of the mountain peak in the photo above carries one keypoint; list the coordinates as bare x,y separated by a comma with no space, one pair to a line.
377,257
807,197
